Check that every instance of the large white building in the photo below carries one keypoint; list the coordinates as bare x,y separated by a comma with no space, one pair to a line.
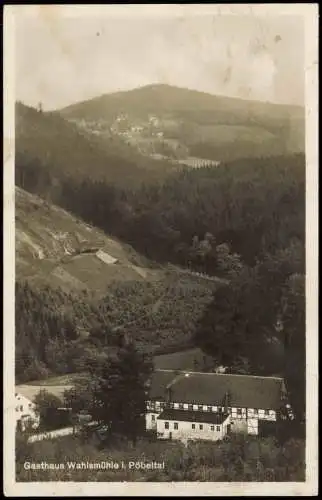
194,405
25,412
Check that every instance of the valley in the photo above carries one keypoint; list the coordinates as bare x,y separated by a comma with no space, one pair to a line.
164,219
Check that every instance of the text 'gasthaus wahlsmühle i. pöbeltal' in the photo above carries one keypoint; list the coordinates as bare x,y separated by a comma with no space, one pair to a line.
101,465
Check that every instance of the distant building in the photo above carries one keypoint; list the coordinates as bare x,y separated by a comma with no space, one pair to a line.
25,408
195,405
105,257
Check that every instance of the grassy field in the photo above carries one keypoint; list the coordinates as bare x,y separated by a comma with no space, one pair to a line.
60,380
188,359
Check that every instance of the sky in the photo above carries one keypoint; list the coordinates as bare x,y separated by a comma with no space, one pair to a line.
60,60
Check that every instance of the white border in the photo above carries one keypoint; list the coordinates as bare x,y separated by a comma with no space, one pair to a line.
12,488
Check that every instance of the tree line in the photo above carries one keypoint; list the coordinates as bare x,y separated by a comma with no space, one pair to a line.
254,206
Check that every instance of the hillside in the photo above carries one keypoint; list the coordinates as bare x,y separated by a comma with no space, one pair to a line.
55,247
59,147
78,291
180,123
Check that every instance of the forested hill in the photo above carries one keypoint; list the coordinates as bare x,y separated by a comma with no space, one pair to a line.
55,145
185,103
214,127
254,206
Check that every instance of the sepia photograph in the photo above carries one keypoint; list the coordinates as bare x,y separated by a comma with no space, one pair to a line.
160,199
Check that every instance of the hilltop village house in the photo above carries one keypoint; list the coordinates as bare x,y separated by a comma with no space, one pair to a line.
195,405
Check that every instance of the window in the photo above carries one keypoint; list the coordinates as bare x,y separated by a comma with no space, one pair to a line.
21,408
180,406
17,408
153,418
239,412
166,425
190,407
30,405
255,412
193,426
212,427
175,426
201,427
217,428
266,412
209,408
200,407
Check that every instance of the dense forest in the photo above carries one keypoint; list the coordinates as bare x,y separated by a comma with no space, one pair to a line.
59,332
243,220
253,205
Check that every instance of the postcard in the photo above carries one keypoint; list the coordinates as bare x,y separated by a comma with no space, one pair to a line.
161,250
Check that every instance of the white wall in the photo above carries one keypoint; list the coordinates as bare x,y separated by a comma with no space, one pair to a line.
245,420
151,420
185,430
252,426
238,425
25,412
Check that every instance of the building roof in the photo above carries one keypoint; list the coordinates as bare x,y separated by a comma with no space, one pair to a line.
158,384
206,417
211,389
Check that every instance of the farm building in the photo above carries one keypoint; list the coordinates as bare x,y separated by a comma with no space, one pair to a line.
25,410
194,405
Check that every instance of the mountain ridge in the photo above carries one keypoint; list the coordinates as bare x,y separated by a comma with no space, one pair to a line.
157,87
201,124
